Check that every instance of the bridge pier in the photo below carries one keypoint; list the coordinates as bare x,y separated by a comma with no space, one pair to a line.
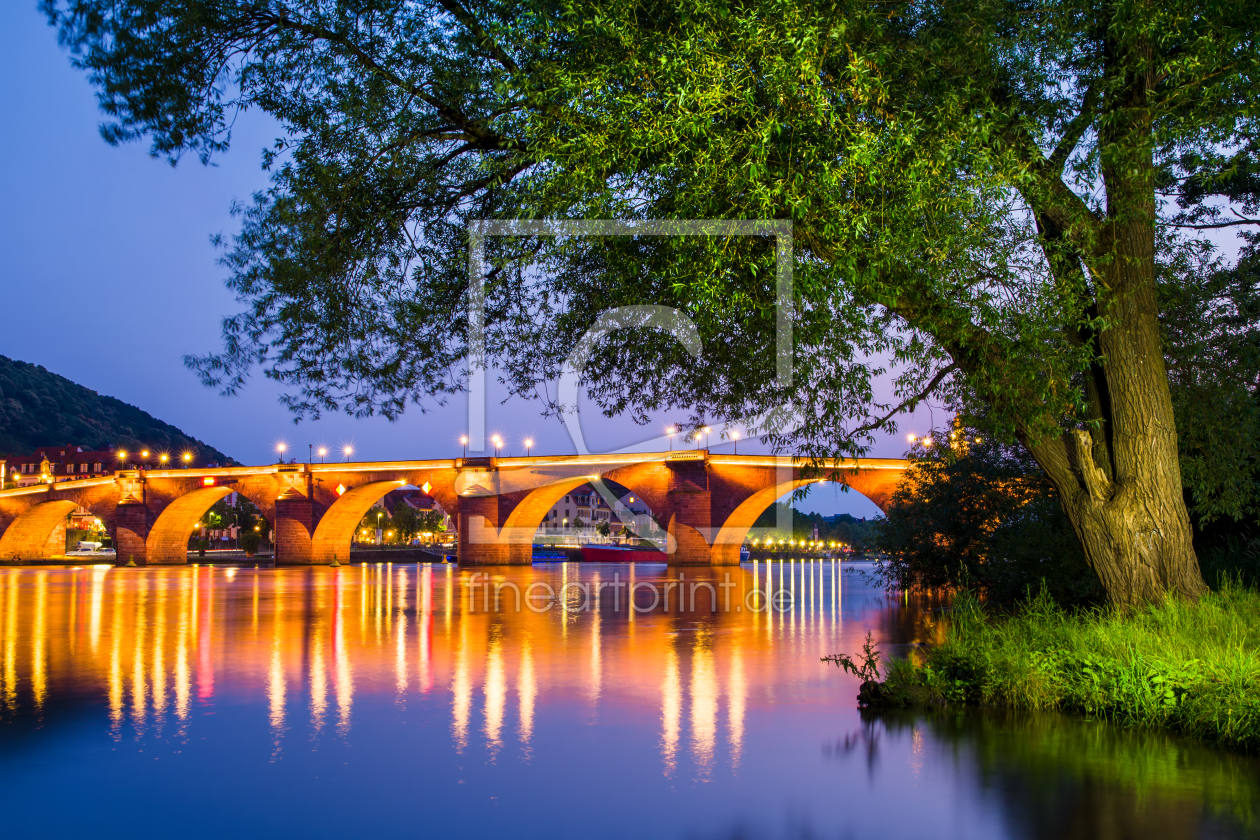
131,531
293,529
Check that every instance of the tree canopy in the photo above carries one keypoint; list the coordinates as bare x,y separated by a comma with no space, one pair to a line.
971,187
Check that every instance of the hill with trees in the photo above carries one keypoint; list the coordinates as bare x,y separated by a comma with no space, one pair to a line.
40,408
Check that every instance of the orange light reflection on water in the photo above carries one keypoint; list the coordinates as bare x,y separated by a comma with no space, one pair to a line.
155,644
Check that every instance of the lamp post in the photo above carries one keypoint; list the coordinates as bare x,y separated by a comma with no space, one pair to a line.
463,441
498,442
529,444
670,431
280,448
164,458
735,438
323,452
349,450
187,459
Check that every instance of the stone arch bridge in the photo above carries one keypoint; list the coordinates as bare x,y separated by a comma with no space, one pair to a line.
706,503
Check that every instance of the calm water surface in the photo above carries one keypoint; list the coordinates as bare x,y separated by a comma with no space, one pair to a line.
211,701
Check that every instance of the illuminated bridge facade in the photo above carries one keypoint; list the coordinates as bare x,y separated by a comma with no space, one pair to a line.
706,503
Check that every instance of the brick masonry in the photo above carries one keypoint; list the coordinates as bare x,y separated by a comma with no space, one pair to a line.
705,503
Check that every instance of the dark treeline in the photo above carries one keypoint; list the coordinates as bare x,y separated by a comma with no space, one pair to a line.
844,528
40,408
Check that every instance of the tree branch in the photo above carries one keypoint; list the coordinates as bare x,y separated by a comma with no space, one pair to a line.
1074,132
483,38
909,402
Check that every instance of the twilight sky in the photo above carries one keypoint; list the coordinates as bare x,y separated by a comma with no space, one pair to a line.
109,278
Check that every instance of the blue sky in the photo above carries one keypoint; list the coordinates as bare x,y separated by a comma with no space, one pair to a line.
110,278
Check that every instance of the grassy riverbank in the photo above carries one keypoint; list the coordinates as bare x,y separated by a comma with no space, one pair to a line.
1191,668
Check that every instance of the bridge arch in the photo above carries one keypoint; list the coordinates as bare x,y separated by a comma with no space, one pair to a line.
336,527
32,535
729,538
524,520
167,542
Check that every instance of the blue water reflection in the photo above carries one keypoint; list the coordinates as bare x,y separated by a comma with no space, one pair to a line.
558,700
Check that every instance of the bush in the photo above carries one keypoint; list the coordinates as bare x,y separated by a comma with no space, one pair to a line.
1190,667
1237,561
975,513
249,542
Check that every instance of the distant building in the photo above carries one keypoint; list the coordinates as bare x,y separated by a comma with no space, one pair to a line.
69,462
64,463
586,505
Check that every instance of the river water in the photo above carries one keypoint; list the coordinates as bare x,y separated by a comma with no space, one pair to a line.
373,699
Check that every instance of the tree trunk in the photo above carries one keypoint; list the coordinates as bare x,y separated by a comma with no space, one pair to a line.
1129,514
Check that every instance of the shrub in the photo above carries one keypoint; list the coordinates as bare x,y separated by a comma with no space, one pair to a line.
249,542
1190,667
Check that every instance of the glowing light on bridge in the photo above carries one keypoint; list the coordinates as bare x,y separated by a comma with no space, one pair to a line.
341,489
426,487
208,481
187,457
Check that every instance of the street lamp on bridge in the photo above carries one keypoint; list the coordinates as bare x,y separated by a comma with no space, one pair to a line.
349,450
280,448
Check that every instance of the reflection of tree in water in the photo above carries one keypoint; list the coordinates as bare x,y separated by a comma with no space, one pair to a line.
912,618
1056,777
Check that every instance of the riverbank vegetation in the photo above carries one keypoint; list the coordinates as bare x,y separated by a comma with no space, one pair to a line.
1193,668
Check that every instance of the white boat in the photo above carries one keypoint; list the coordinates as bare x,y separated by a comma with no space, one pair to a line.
86,548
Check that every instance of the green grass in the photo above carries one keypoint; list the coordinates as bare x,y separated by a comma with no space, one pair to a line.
1193,668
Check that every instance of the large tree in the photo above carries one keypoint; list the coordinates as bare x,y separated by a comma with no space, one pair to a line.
972,188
